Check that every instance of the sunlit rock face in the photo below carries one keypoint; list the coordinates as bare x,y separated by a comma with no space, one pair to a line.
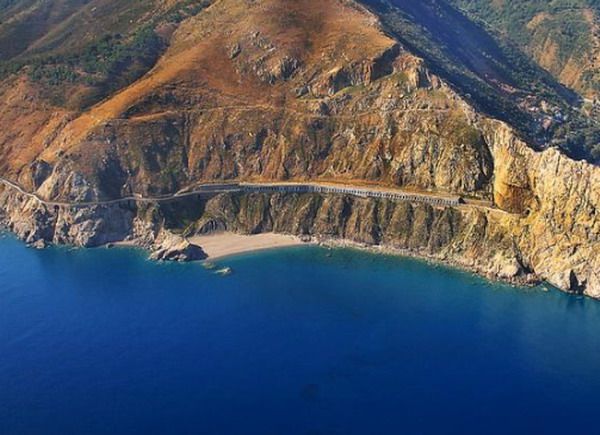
279,90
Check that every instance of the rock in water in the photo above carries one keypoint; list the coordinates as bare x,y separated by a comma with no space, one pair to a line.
209,266
225,271
39,244
170,247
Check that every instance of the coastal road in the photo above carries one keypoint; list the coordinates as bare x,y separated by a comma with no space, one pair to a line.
435,199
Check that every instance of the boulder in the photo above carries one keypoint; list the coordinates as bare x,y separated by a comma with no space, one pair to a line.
170,247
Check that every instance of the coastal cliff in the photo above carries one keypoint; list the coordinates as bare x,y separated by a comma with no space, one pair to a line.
297,91
545,226
558,201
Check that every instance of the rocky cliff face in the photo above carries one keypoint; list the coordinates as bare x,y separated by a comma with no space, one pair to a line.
298,90
546,226
557,199
479,240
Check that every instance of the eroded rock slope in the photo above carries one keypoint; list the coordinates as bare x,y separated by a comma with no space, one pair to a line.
298,90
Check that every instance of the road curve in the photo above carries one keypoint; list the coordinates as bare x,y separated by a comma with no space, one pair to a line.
275,187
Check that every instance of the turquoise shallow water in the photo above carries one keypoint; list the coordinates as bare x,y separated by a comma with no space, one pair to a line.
294,342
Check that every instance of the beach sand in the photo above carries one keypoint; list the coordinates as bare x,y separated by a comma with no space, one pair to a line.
225,244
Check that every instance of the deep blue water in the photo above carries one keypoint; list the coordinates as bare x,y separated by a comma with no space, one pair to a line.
294,342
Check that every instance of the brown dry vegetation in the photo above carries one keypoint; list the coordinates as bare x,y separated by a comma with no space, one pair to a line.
277,89
247,89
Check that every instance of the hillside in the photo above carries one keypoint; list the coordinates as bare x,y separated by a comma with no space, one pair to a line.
501,79
267,90
561,35
82,52
109,99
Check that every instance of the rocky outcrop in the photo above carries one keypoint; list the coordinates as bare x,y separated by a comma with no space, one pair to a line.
558,200
170,247
78,226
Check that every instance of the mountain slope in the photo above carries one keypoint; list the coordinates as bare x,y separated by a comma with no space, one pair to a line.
269,90
381,93
561,35
82,52
497,77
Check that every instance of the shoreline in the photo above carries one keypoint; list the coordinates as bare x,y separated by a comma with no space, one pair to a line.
531,280
38,232
226,244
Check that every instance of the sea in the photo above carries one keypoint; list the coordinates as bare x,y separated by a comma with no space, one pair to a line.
300,340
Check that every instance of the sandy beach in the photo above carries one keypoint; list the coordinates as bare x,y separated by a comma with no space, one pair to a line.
225,244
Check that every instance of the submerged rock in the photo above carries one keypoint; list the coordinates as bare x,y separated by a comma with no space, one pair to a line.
209,266
225,271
